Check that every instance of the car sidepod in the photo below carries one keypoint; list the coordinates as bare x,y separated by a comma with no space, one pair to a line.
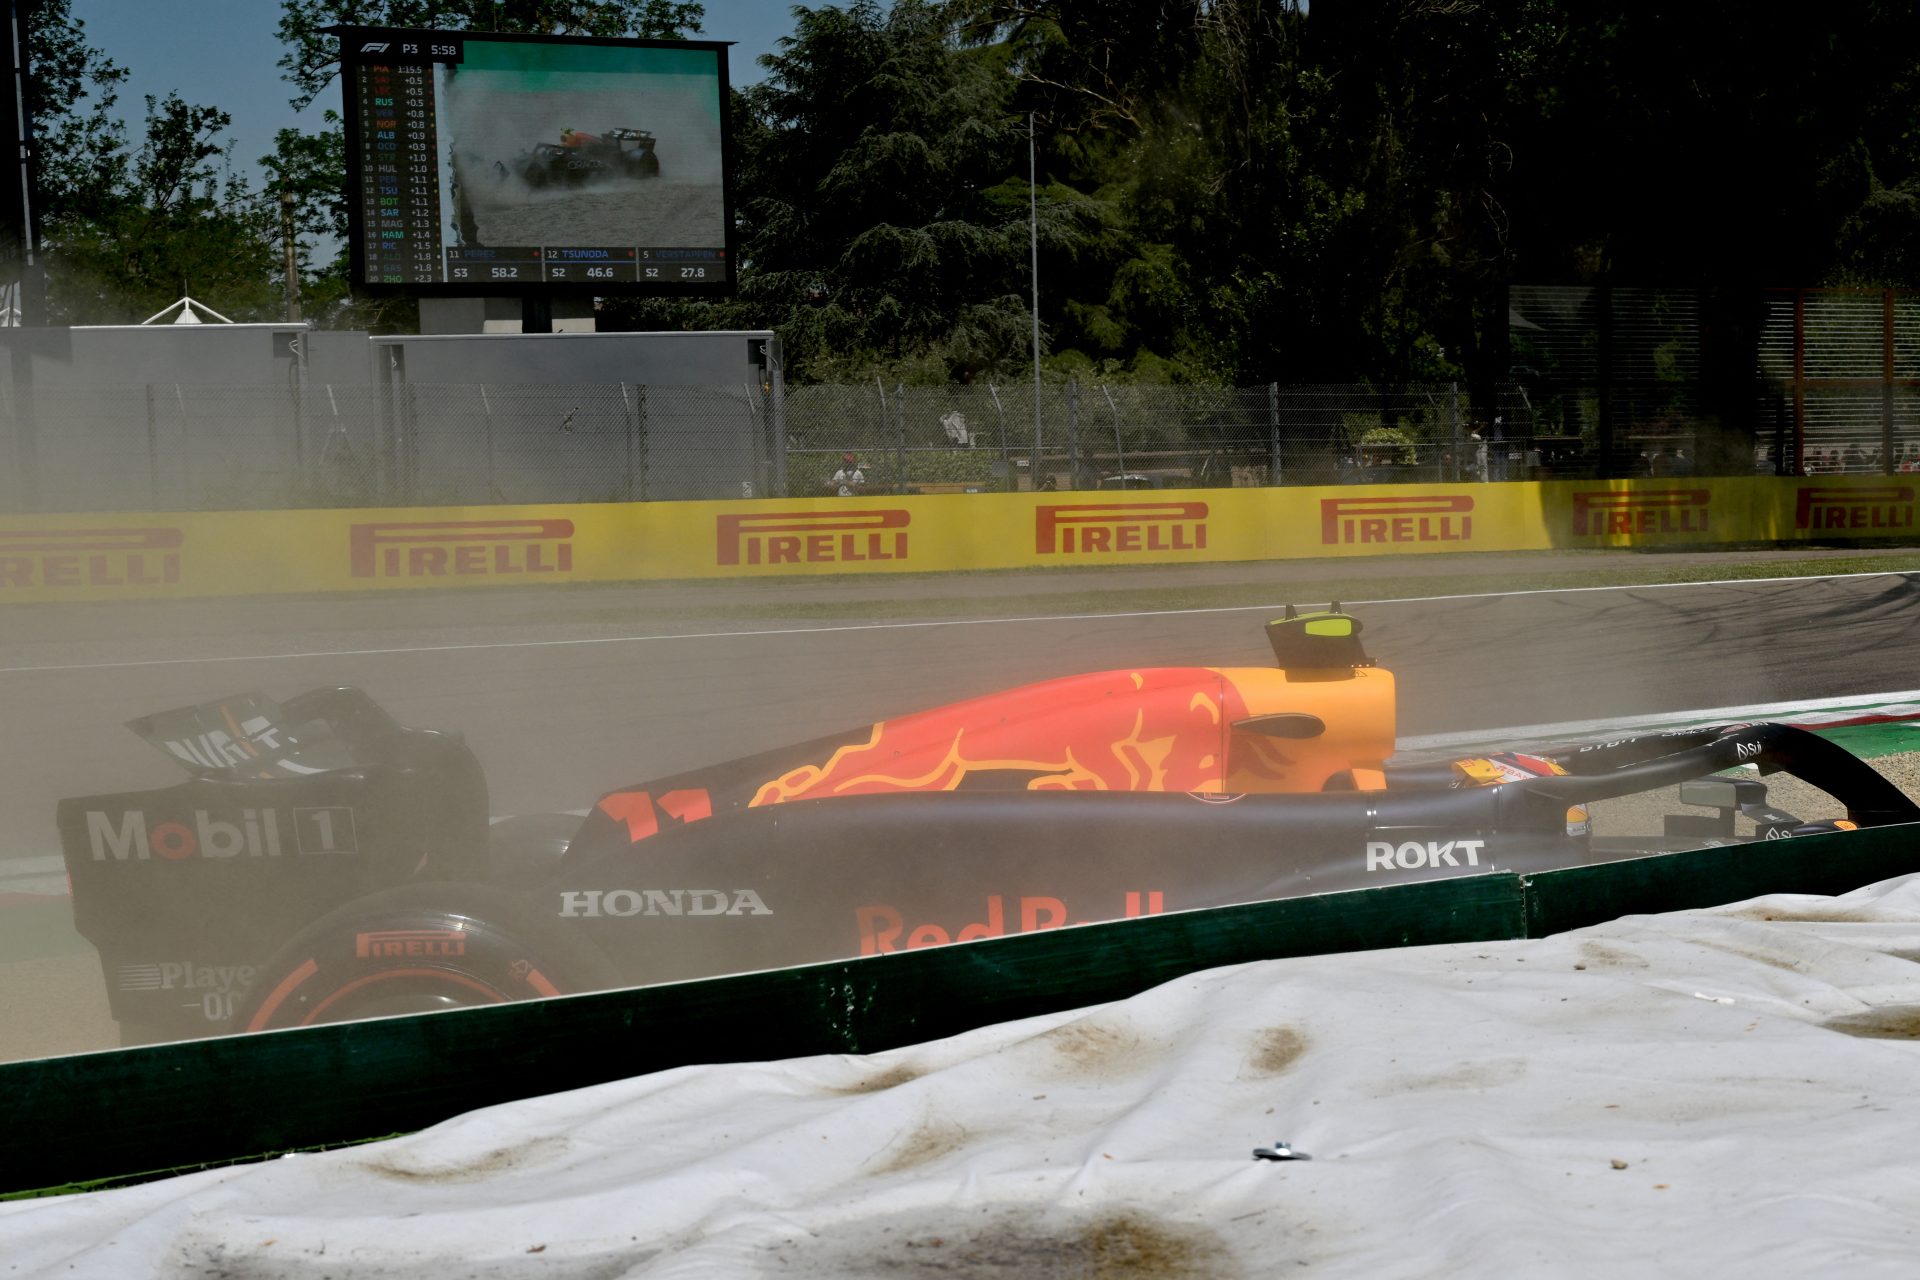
820,880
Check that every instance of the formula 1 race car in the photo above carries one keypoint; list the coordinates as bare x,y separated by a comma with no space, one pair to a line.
326,863
581,158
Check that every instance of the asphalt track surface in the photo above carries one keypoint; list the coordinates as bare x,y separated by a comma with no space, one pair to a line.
565,693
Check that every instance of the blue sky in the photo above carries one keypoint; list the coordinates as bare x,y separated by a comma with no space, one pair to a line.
223,53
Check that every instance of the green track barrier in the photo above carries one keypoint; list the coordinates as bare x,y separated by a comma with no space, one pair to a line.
120,1115
1870,741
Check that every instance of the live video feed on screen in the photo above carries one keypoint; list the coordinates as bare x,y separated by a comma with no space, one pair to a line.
522,162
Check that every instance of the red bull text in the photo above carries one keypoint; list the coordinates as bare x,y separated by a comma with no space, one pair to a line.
885,929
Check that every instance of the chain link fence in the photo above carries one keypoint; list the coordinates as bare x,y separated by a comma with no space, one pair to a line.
972,439
197,447
1844,369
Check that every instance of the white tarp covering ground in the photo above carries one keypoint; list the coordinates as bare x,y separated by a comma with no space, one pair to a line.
1727,1092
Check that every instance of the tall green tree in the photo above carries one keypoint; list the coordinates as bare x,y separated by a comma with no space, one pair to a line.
1711,146
883,204
877,221
1102,85
80,145
126,229
179,222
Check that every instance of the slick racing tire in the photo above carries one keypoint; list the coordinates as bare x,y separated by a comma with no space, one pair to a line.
416,949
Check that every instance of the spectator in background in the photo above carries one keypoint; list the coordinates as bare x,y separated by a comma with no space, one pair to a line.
849,479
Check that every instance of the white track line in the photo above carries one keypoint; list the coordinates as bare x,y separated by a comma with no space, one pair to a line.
908,626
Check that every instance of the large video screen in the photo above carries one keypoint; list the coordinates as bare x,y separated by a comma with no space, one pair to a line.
503,164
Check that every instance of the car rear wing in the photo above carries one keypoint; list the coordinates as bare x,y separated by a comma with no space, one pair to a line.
184,889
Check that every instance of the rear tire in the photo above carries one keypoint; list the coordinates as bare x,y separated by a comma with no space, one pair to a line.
417,949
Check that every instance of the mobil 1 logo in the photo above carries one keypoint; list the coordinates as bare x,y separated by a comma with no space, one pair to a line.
324,829
130,835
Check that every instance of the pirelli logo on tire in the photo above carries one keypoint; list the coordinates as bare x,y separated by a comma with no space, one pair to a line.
812,537
388,944
114,556
1110,528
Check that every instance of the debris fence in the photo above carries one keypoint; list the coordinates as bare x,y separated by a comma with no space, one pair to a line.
200,447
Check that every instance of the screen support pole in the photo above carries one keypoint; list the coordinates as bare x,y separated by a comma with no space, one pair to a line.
536,314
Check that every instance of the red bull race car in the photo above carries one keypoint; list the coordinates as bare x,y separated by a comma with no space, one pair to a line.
581,158
324,862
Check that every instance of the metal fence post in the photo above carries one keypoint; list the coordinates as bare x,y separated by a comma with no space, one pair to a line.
900,437
777,403
1603,358
409,447
26,441
1073,434
186,449
640,442
1453,457
486,414
626,443
330,467
297,389
1887,446
1273,433
756,409
881,387
153,452
1006,456
1033,467
1119,447
386,444
1796,465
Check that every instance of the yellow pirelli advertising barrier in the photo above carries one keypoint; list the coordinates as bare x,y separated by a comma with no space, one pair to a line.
123,556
